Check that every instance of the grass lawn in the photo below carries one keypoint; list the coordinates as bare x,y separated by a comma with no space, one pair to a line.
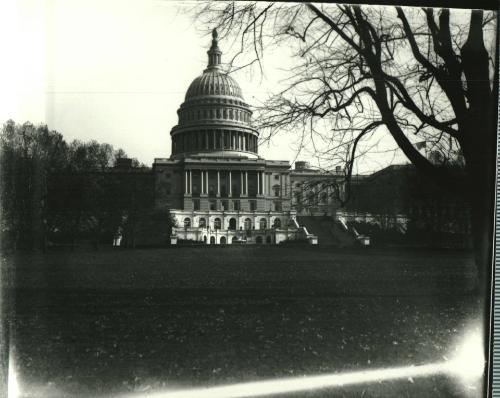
93,323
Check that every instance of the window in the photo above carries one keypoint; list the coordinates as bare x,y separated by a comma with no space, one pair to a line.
263,223
232,224
276,190
276,176
236,205
202,223
253,205
187,222
277,206
213,205
196,204
224,205
277,223
217,223
312,198
248,224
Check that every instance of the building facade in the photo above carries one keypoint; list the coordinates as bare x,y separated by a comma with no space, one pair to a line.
217,187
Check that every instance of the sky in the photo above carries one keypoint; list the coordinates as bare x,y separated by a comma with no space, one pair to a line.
116,71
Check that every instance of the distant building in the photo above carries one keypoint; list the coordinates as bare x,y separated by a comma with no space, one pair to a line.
215,184
314,192
218,189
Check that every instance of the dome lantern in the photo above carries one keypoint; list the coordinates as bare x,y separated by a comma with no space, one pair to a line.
214,54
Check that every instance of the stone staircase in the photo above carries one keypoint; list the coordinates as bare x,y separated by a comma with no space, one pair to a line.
328,231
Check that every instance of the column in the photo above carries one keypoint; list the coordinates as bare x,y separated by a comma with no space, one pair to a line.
185,182
206,139
215,141
230,185
258,182
218,183
202,182
244,141
241,183
190,182
246,182
206,182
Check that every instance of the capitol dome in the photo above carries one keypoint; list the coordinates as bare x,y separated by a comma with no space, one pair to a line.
214,82
214,119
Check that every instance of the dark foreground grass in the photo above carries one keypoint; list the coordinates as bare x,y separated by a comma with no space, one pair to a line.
97,323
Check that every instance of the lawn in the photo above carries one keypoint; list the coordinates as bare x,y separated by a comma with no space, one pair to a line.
95,323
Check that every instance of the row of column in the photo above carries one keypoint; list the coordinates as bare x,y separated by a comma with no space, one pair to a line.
188,182
214,139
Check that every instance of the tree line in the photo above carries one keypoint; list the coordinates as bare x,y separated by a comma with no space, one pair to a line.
55,193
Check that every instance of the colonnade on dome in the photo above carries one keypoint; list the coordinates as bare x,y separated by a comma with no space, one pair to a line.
208,140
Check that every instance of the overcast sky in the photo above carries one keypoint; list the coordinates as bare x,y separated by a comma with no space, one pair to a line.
115,71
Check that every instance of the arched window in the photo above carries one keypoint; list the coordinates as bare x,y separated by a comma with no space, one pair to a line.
218,113
223,240
232,223
212,240
225,113
263,223
202,223
231,114
187,222
277,223
276,190
259,240
312,198
217,223
248,224
269,239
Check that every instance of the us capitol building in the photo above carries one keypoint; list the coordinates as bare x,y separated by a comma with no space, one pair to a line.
217,187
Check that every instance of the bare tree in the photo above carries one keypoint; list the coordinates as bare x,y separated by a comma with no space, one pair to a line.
420,75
